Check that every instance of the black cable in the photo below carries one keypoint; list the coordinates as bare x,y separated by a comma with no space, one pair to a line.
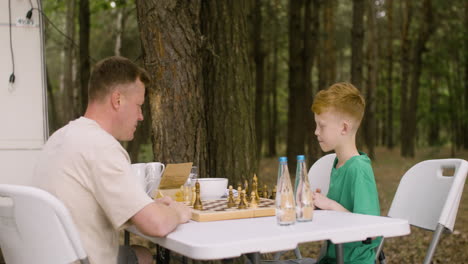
12,76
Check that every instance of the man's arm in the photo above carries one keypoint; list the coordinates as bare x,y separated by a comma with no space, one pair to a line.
161,217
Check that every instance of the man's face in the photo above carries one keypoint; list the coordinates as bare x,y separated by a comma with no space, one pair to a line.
130,112
329,126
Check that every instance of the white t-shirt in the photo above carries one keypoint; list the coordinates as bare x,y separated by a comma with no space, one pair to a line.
89,171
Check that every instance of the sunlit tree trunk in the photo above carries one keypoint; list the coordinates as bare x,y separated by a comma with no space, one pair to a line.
170,37
259,56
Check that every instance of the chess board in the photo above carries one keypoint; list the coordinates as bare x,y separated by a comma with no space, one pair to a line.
216,210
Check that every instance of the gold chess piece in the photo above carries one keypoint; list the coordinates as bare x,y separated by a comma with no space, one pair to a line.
197,204
265,191
193,197
246,198
239,190
231,203
253,202
246,188
255,188
242,203
273,193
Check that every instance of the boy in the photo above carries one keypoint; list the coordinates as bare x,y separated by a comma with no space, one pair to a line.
338,113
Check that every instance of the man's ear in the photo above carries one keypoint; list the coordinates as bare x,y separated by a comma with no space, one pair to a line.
116,98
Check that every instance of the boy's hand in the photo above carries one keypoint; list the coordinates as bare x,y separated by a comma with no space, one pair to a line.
325,203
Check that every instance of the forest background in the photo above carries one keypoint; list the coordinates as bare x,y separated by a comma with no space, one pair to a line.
233,81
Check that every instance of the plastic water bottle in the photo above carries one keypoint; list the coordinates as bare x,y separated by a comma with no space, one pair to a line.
285,206
302,192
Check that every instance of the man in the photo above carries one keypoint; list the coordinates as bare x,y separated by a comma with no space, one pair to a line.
85,166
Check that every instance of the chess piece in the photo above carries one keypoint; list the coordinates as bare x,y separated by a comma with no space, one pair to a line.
246,198
253,202
273,193
242,203
255,188
197,204
246,189
194,195
265,191
239,190
231,203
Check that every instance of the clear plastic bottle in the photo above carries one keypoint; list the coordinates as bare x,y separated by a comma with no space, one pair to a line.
285,206
303,193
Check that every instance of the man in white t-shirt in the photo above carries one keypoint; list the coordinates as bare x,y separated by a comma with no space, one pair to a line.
85,166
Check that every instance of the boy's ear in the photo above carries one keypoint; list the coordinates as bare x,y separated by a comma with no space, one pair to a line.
346,128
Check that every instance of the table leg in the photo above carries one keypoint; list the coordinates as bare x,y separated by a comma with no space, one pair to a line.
126,238
252,258
339,253
163,255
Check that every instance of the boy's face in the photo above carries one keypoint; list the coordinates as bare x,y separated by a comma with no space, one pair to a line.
329,129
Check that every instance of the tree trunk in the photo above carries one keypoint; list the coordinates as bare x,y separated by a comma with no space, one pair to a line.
372,70
311,28
428,27
465,119
259,73
434,122
296,102
329,48
357,42
84,20
170,36
389,125
229,91
66,107
405,73
272,96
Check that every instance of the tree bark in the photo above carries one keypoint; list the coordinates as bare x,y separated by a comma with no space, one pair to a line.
428,27
84,20
296,100
170,36
389,125
357,42
229,91
311,28
465,119
405,73
259,73
329,47
370,122
66,102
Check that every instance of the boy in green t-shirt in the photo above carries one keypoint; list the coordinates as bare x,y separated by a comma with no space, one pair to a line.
338,113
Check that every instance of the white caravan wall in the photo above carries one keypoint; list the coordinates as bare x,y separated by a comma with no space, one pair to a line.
23,105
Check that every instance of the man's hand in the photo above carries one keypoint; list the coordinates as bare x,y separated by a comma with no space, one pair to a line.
166,200
184,212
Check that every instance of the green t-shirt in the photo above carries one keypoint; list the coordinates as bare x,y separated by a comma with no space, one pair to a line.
353,186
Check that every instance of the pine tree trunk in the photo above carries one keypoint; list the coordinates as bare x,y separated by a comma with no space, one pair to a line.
259,73
311,28
170,40
389,124
434,122
296,102
230,92
405,73
420,48
329,34
84,20
371,80
357,42
465,119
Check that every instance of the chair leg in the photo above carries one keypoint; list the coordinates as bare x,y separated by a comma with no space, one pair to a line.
339,253
379,249
126,238
434,242
297,252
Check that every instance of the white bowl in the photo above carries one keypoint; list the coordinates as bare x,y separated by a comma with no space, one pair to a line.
211,188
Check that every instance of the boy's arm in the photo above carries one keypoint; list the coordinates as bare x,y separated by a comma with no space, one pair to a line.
325,203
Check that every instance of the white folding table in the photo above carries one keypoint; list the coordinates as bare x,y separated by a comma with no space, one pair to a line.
233,238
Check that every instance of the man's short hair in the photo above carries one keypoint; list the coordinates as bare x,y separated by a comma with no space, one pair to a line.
342,97
113,71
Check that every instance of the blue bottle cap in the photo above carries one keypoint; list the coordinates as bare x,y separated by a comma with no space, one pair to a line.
300,157
283,159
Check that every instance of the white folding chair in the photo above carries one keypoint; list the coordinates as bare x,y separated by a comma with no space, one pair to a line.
35,227
429,199
319,173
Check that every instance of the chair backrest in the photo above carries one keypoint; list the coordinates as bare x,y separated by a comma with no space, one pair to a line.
319,173
35,227
426,197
